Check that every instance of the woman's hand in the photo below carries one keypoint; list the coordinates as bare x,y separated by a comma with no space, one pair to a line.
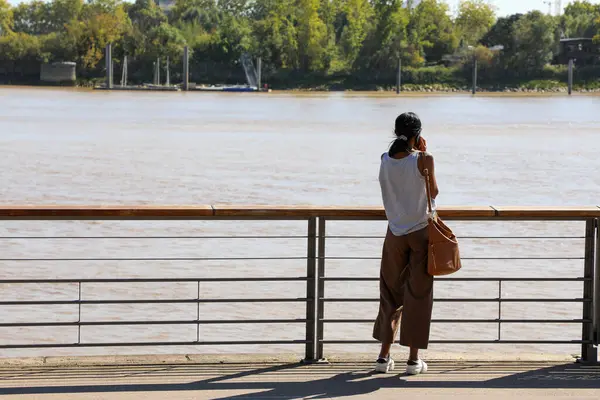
422,144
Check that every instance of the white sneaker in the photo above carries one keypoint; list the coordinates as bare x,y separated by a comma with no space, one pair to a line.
419,368
384,365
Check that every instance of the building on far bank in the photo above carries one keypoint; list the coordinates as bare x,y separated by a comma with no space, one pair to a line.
583,50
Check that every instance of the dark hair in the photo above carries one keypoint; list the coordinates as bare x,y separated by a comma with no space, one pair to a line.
408,125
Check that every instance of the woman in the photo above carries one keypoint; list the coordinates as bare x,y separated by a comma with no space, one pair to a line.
406,289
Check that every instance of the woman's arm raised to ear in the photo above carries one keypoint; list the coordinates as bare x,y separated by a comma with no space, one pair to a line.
427,163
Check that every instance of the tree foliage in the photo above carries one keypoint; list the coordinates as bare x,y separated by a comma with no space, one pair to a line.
580,19
431,30
6,18
364,39
536,40
474,19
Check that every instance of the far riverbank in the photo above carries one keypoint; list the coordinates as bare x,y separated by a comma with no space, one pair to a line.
529,87
381,90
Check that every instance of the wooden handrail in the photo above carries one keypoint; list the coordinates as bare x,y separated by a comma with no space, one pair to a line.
143,212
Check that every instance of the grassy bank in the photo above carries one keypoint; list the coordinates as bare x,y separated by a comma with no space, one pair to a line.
533,86
536,86
552,79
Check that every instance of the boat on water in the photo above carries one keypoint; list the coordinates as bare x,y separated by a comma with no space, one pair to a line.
252,81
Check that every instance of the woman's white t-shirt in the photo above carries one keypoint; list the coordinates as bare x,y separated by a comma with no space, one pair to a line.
404,194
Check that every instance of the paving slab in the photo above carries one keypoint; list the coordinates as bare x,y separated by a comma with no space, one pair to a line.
280,378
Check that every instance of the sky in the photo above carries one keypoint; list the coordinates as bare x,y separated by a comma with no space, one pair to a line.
503,7
509,7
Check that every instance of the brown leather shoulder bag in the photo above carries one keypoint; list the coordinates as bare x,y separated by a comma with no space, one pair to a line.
444,256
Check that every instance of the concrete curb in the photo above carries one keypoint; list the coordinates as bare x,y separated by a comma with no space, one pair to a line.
183,359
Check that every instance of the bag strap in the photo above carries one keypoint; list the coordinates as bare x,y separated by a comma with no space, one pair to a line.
427,183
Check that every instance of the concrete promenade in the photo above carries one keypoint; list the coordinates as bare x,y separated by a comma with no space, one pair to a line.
283,377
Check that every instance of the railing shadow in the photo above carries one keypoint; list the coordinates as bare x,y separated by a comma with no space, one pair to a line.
300,381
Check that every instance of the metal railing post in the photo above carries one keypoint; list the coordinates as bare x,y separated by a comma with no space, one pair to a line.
596,304
311,290
321,288
588,352
499,309
198,314
79,313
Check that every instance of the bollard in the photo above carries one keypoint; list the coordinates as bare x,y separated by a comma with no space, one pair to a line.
570,76
168,83
474,90
109,77
157,72
186,68
124,72
399,77
259,72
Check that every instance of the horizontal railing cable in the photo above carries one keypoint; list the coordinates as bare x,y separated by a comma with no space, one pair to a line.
316,278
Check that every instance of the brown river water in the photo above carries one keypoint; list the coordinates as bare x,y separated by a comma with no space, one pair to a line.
62,146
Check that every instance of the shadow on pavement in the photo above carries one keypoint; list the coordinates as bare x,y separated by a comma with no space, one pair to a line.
299,381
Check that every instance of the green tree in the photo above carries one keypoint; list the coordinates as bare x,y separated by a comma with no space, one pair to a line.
19,46
65,11
293,37
41,18
237,8
100,25
34,18
431,31
503,33
232,38
358,16
312,35
150,36
20,56
198,22
535,38
146,15
388,40
274,28
474,19
332,14
200,12
60,46
6,18
164,41
580,19
95,7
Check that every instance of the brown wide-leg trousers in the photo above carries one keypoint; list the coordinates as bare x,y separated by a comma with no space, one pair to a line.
406,291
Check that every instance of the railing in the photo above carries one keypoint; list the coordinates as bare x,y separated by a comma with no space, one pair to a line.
316,277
